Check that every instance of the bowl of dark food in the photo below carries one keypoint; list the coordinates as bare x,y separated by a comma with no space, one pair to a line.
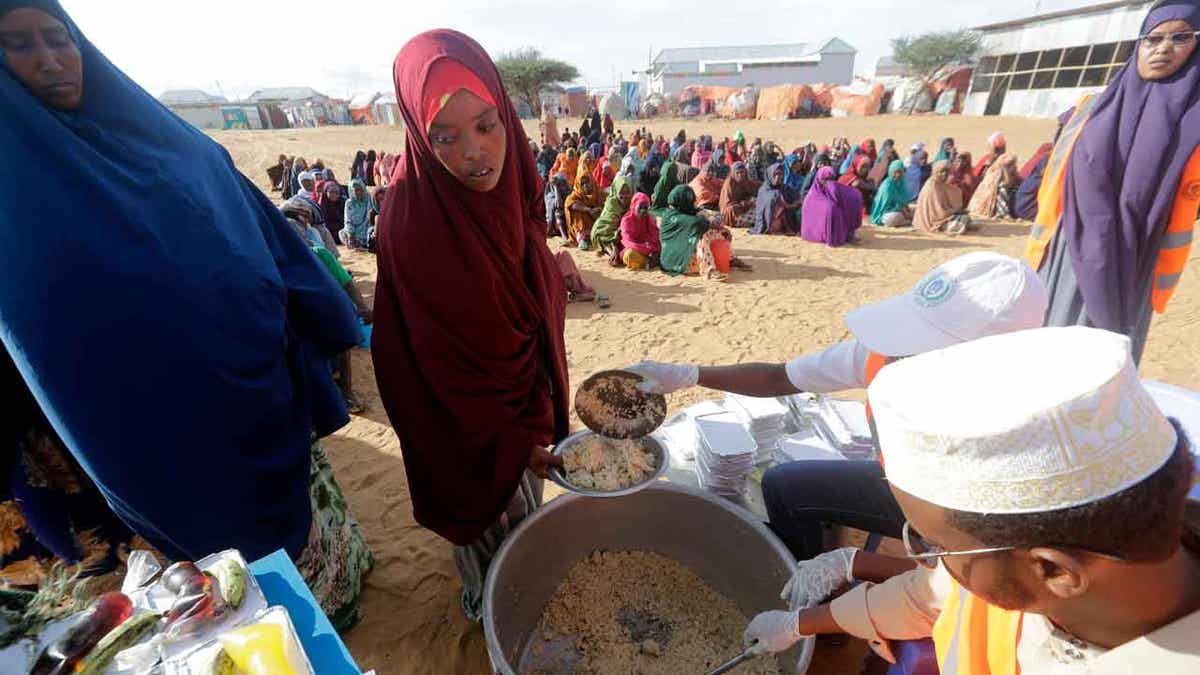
610,404
662,582
595,466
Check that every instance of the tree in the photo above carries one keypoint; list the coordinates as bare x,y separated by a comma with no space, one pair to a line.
526,73
925,55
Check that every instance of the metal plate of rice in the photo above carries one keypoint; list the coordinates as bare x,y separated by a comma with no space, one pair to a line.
648,443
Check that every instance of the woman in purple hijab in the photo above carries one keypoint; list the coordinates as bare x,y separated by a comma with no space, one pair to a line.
1116,255
832,211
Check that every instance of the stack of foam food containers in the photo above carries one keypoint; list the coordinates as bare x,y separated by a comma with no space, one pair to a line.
765,419
725,454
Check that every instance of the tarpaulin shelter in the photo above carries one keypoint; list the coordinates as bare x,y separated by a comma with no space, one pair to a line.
701,100
911,94
576,100
857,100
823,96
614,105
785,101
739,106
631,92
957,78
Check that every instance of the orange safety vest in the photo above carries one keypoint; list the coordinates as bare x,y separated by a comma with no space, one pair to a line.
875,363
972,637
1177,241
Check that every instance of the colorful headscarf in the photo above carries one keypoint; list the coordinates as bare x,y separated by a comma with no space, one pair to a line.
892,196
471,385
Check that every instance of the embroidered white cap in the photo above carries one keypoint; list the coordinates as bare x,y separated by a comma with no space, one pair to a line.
1031,421
969,297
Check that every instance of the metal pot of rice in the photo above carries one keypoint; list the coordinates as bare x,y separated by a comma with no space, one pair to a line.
724,545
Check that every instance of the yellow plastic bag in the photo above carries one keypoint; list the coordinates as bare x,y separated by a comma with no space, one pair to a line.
258,650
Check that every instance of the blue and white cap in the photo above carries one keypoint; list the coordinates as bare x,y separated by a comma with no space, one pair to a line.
972,296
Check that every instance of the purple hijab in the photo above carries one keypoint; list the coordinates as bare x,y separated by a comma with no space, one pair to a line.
832,211
1123,176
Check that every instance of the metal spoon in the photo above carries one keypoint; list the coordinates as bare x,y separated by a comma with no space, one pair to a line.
733,663
610,404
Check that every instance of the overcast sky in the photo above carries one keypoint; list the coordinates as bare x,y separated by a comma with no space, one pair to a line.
342,48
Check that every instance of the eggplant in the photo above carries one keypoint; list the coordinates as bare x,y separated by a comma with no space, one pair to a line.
100,618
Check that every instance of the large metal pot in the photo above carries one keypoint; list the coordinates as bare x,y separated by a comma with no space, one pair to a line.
724,544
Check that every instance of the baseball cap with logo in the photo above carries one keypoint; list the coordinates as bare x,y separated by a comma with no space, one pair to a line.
969,297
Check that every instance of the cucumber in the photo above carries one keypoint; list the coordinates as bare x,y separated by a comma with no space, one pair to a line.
118,639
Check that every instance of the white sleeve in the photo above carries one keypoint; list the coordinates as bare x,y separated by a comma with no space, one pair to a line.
838,368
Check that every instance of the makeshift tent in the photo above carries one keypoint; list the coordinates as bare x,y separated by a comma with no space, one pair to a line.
823,96
576,100
857,100
785,101
631,92
700,100
521,106
957,78
361,107
946,102
655,105
911,95
739,106
614,105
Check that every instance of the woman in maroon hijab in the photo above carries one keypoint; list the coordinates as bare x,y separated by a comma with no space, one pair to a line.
468,346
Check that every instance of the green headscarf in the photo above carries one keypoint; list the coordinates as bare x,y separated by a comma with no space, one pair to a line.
680,230
607,228
667,180
892,195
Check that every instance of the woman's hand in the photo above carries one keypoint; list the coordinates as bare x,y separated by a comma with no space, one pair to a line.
541,461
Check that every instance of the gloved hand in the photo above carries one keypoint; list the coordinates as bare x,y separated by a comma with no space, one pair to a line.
772,632
816,579
665,378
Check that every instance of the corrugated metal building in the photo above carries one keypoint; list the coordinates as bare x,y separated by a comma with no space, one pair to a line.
1039,66
830,61
198,108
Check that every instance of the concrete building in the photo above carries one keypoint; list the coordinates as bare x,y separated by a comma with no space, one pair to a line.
830,61
1039,66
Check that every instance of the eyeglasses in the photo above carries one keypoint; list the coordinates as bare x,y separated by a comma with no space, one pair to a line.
1154,40
928,554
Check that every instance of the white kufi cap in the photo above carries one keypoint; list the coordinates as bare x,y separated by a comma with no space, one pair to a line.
1031,421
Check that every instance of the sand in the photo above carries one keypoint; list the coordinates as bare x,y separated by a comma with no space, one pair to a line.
793,302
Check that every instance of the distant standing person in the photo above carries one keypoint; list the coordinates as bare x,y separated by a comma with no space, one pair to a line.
1119,201
369,168
470,356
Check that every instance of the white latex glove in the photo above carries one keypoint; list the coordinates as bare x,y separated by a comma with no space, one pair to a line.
772,632
665,378
817,579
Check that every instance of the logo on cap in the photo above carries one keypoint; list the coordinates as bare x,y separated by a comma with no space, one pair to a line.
934,291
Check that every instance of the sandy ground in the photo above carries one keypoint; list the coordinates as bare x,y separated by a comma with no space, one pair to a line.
791,303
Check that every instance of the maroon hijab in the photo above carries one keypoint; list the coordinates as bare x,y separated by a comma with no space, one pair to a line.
470,311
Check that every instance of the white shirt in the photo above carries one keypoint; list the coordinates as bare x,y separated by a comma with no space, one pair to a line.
838,368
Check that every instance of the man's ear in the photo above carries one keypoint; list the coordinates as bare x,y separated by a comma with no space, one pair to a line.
1061,573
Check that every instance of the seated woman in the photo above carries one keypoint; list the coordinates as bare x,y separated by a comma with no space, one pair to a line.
606,169
234,320
707,186
940,205
606,231
546,159
582,206
917,172
859,179
567,162
639,235
892,202
775,206
300,215
357,216
650,173
555,196
995,196
687,239
832,211
332,209
737,198
962,176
